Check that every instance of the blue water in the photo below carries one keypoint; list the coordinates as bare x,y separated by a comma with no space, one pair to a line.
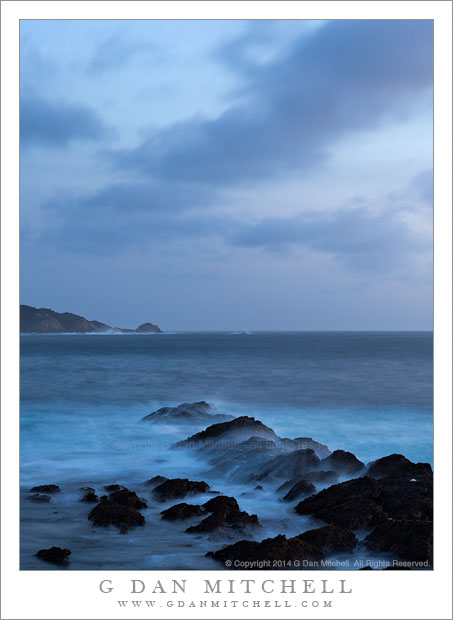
82,399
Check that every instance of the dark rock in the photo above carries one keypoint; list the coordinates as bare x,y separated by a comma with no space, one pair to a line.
398,465
404,499
177,488
305,443
86,489
221,503
409,540
108,512
330,539
188,412
226,514
90,497
39,498
352,504
113,487
258,488
235,430
322,477
300,489
155,481
55,555
127,498
182,511
148,328
278,548
292,465
342,462
46,488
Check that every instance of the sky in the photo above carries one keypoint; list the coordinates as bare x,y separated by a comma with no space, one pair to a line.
228,175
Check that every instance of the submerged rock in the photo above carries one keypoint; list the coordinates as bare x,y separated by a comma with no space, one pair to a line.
153,482
90,497
342,462
46,488
249,554
398,465
410,540
182,511
177,488
187,413
39,498
300,489
54,555
113,487
330,539
292,465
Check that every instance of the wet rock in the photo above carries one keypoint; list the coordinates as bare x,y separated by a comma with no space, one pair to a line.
54,555
127,498
86,489
330,539
90,497
177,488
225,514
113,487
292,465
46,488
40,498
153,482
108,512
316,477
258,488
267,551
188,413
409,540
342,462
404,499
352,504
305,443
182,511
398,465
236,430
300,489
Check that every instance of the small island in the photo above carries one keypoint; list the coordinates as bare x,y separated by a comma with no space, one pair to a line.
47,321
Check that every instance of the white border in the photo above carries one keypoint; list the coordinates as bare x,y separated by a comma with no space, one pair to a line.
68,594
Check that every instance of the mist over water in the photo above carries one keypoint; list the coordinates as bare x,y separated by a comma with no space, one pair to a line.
83,398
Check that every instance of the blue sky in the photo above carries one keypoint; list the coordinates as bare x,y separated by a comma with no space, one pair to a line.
228,174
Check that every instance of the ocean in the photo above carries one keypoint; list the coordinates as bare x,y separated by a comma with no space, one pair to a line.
83,398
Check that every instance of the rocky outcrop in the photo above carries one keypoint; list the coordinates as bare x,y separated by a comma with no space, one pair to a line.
330,539
300,489
342,462
409,540
155,481
39,498
54,555
90,497
199,412
235,431
292,465
225,515
120,508
46,321
249,554
178,488
398,465
46,488
182,511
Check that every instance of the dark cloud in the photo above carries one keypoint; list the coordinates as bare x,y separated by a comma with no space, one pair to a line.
57,123
345,77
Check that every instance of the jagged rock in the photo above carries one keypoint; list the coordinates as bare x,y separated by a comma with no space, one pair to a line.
292,465
316,477
90,497
182,511
156,481
305,443
119,509
342,462
177,488
46,488
300,489
330,539
278,548
398,465
54,555
226,514
236,430
188,412
410,540
352,504
127,498
404,499
39,498
258,488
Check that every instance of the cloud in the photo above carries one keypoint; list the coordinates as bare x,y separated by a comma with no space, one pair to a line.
49,123
345,77
115,52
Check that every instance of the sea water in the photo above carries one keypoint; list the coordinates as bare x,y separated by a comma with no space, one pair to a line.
83,398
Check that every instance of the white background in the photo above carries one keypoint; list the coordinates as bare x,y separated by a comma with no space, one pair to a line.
376,594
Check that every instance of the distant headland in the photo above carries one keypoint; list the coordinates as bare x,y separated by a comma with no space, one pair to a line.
46,321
